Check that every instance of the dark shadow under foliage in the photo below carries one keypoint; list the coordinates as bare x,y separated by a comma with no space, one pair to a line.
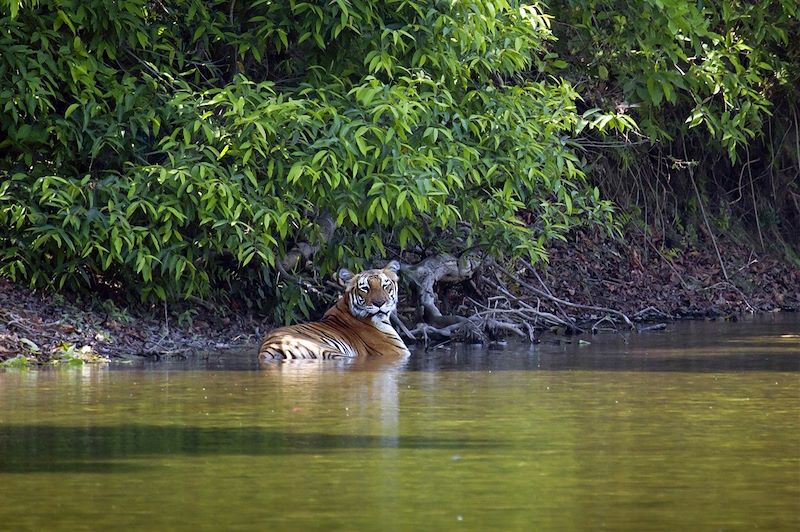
92,449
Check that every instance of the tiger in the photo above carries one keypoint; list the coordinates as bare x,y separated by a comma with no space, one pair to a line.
357,326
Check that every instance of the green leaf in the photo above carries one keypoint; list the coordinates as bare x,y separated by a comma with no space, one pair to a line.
295,172
401,198
71,109
654,90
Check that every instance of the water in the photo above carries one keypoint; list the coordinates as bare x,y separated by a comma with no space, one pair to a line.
697,427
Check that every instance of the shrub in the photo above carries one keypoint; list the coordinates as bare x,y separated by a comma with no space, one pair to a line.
181,147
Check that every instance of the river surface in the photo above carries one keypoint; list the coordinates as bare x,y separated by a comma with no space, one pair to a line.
692,428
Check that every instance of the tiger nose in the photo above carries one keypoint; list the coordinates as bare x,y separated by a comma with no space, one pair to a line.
379,301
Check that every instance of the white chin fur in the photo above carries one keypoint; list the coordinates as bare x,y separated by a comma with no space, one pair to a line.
376,313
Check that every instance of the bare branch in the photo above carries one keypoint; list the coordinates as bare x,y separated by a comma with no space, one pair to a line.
545,295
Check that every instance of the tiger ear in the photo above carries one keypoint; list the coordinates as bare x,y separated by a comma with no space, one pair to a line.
393,266
345,276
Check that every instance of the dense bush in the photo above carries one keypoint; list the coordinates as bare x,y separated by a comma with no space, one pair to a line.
714,89
175,147
186,147
714,63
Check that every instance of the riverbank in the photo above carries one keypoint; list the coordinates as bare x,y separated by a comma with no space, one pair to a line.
638,279
46,327
705,279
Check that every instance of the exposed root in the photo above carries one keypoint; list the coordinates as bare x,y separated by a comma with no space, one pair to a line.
440,268
516,311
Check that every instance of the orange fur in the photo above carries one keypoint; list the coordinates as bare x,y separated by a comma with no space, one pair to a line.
356,326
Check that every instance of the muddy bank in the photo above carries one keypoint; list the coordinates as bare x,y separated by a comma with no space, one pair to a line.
46,326
687,283
640,280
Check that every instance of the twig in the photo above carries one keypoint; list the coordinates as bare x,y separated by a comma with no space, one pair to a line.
653,310
735,289
669,263
16,322
705,218
525,313
397,322
538,292
595,327
166,318
753,196
531,269
750,262
552,318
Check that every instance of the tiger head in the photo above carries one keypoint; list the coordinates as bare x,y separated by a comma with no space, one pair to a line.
371,294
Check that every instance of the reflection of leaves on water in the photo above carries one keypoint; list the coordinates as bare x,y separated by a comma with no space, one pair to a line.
73,466
780,356
51,448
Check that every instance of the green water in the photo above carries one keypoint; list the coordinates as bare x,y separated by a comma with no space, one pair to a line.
695,428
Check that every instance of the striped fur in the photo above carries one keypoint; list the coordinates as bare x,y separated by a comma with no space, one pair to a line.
358,325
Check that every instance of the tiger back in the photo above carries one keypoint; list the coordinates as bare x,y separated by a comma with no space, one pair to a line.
358,325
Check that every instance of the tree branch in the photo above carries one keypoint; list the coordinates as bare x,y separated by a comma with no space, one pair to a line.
545,295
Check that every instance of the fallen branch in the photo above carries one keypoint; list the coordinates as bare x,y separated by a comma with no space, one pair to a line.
596,326
503,312
545,287
424,329
506,326
545,295
398,323
653,327
550,319
651,310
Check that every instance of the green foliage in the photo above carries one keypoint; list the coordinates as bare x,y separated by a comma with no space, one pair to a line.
71,355
180,147
713,88
17,362
683,64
